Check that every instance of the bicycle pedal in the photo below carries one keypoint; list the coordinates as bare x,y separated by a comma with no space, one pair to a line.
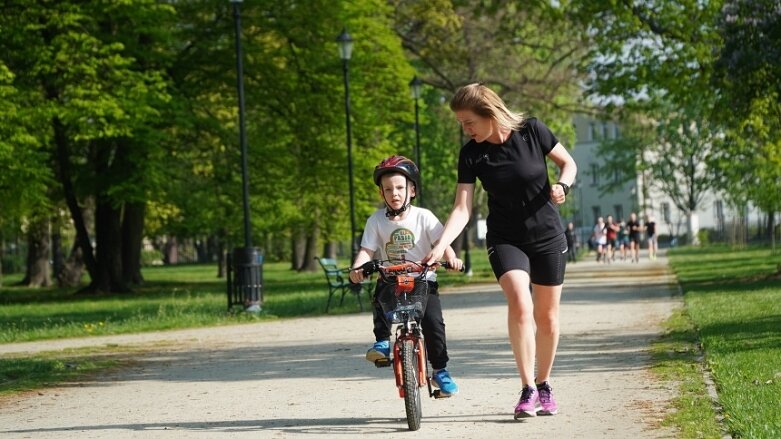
438,394
382,362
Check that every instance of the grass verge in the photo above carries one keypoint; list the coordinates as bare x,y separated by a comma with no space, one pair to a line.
733,311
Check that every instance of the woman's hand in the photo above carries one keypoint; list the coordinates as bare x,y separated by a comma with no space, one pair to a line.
557,194
434,256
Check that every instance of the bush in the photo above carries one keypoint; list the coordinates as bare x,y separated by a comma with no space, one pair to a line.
704,235
151,257
13,264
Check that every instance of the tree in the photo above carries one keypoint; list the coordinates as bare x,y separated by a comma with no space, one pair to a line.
92,71
507,46
748,71
24,181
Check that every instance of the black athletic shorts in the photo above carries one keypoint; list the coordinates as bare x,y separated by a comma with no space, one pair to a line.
545,261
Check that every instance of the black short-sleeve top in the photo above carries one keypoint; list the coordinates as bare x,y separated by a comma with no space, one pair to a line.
515,176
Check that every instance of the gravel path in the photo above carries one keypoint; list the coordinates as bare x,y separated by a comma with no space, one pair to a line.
307,377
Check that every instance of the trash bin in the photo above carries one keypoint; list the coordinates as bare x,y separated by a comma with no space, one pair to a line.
245,279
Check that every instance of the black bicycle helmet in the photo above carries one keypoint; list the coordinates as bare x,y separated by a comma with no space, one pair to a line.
397,164
400,164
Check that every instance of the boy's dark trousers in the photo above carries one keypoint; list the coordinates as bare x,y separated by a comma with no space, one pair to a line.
433,325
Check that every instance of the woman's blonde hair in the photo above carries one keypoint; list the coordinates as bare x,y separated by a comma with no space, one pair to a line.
484,102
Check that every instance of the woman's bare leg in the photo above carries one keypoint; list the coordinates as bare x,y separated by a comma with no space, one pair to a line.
520,321
546,301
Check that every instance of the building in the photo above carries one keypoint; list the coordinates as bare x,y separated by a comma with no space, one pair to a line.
624,198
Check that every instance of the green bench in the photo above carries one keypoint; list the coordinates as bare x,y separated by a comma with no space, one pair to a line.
339,281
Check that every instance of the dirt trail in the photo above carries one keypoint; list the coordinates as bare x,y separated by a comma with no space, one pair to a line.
305,377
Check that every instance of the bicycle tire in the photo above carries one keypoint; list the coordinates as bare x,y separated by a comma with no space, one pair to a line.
409,366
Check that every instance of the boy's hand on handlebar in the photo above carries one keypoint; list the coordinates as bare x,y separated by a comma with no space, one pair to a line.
356,275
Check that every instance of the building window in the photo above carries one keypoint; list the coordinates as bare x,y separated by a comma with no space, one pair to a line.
604,130
594,174
619,210
595,210
666,212
592,132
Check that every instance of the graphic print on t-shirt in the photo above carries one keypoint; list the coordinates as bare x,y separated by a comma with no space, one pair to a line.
401,240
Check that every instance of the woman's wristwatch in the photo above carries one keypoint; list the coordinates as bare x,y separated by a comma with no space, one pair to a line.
564,186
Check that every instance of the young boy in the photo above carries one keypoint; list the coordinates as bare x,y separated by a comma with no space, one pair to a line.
401,231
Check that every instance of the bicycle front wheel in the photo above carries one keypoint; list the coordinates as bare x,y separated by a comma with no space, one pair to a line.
409,365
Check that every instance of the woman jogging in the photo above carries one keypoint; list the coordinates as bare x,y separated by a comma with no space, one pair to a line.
525,240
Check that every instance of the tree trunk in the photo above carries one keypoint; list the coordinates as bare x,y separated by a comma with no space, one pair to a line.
329,250
693,224
298,243
310,264
171,251
58,258
222,263
73,270
62,159
132,240
38,253
108,252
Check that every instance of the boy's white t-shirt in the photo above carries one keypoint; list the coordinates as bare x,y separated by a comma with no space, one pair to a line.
410,239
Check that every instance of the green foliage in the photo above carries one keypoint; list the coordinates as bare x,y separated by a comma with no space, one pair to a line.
24,182
12,264
657,49
141,97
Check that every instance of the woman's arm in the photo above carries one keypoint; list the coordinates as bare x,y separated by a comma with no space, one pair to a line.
455,222
568,169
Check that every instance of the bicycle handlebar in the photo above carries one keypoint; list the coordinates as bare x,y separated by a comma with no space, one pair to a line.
375,266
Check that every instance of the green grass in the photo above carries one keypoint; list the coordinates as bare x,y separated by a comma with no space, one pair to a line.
19,374
733,308
174,297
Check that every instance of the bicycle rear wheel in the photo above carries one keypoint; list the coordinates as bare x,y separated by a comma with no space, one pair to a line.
409,365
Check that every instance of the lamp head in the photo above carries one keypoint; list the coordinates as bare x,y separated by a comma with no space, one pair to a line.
345,45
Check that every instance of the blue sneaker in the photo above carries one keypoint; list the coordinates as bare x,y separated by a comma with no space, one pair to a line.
380,350
444,382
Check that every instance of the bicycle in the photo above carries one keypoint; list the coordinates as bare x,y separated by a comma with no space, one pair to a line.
405,305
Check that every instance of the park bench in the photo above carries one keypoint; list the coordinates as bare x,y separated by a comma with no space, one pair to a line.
339,281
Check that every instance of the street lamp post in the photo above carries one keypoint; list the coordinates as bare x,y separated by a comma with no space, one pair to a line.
246,286
242,131
345,52
416,85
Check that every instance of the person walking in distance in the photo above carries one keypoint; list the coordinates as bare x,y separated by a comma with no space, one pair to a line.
623,238
633,225
611,230
650,233
572,246
508,153
600,238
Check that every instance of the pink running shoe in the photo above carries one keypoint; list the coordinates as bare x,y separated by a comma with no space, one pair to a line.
526,407
547,401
